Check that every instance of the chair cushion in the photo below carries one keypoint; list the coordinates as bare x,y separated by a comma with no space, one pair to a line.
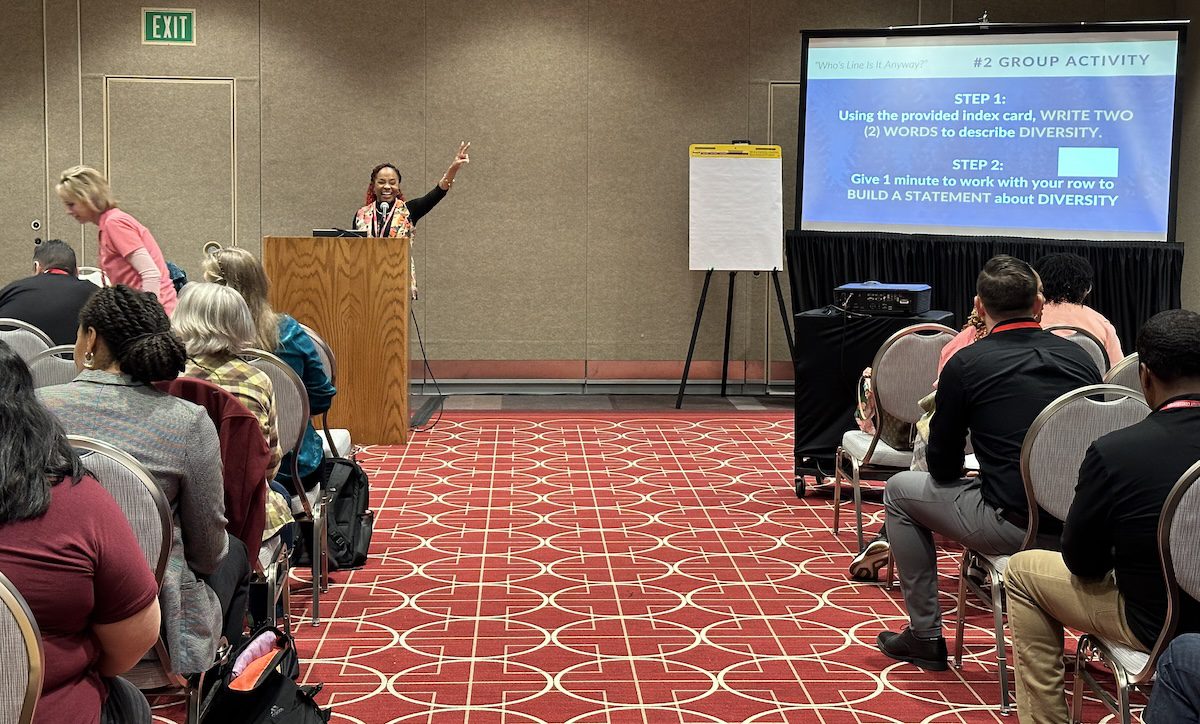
856,442
147,674
268,552
998,563
341,438
1129,659
313,496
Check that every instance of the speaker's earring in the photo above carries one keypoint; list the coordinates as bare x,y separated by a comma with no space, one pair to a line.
89,360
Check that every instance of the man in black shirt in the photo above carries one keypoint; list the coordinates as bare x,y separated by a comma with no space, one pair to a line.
50,299
1108,578
991,390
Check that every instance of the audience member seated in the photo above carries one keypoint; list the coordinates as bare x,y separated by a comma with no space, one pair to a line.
50,299
124,343
239,269
991,390
61,533
214,323
1108,578
1175,698
1066,283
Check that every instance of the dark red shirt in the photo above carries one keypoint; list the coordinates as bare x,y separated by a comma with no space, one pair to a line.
77,565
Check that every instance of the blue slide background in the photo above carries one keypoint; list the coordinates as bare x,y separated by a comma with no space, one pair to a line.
835,149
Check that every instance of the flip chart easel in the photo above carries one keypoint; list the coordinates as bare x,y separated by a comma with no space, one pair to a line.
735,223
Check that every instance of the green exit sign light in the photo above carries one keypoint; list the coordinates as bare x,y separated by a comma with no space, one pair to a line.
168,26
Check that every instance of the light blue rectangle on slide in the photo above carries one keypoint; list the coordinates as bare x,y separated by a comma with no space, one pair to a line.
1074,161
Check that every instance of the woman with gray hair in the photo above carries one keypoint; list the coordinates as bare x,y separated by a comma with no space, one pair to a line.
215,325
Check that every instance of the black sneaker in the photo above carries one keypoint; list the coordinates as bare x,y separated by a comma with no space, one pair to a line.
865,566
928,654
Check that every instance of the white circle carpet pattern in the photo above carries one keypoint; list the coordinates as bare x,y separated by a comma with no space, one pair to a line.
599,568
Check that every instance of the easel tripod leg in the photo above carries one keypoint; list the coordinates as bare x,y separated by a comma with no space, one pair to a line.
687,365
728,327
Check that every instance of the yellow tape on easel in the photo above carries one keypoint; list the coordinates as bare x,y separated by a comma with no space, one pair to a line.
733,150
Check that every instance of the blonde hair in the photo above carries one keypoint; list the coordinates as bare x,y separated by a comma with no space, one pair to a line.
86,185
239,270
212,320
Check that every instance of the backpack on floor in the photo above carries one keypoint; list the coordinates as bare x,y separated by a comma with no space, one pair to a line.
348,515
263,691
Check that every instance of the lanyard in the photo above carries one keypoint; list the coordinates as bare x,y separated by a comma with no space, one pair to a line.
56,271
1179,405
1006,326
384,225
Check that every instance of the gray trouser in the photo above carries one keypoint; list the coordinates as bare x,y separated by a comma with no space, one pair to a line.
917,507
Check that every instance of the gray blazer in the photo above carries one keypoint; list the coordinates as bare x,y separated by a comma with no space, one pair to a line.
177,443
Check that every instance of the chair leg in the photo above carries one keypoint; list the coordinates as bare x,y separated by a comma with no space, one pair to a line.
316,574
193,705
856,485
324,553
962,609
837,492
1001,651
1077,687
1123,698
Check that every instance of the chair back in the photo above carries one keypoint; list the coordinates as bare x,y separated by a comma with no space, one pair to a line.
23,659
291,401
93,274
1178,541
136,493
905,368
24,338
1059,437
1125,373
245,456
325,352
54,366
1085,339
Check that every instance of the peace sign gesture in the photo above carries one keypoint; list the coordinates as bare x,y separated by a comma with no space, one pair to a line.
460,159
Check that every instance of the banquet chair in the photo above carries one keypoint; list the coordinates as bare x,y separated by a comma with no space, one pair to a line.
94,275
149,515
1080,336
1125,373
24,338
902,372
1051,454
54,366
1178,546
23,667
337,441
291,406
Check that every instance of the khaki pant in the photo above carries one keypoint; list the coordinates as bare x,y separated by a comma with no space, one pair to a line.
1043,598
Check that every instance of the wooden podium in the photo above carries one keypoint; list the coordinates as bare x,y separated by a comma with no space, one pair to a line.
354,292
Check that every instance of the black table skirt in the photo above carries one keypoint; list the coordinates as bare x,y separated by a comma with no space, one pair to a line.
1133,280
831,352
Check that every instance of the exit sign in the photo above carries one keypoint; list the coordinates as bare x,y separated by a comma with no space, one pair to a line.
168,26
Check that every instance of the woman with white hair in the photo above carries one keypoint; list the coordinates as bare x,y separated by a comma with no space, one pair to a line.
215,325
128,252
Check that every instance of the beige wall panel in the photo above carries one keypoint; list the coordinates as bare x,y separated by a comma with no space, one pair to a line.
661,76
63,99
226,40
249,154
502,260
336,101
22,135
170,160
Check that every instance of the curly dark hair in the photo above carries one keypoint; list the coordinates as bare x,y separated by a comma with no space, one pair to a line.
371,185
137,331
1167,345
34,452
1065,277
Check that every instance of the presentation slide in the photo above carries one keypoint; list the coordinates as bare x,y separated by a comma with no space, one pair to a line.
1054,135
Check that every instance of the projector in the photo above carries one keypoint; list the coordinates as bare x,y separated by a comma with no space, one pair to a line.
883,299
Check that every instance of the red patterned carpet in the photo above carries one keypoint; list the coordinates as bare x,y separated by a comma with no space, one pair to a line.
605,567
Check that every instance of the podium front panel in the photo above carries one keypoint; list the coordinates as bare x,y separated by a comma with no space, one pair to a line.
354,292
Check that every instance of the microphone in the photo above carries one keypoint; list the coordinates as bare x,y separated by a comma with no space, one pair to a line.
383,207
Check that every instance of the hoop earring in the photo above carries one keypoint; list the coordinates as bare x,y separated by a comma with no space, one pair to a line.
88,360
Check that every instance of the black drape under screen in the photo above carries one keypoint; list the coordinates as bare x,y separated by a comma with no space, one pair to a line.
1133,280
